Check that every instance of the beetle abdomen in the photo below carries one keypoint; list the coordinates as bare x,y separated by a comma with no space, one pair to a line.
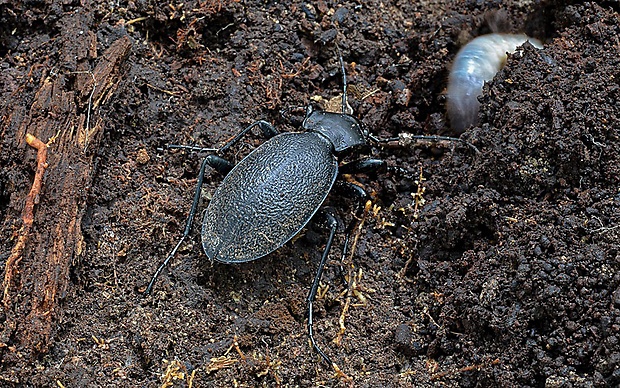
474,64
268,197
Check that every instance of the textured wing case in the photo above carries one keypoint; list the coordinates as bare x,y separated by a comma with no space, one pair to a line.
268,197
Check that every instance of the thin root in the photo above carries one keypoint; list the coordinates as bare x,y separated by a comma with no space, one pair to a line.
341,375
351,286
28,216
175,370
236,346
218,363
419,200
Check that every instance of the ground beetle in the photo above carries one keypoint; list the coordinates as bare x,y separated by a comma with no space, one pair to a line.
271,194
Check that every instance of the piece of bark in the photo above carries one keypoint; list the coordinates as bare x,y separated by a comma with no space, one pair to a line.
69,113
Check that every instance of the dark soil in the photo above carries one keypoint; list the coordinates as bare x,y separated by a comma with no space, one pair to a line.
498,268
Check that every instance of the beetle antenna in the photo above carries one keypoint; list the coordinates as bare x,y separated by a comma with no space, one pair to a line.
406,139
345,105
191,148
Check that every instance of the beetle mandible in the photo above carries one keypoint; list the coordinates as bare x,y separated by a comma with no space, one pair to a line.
272,193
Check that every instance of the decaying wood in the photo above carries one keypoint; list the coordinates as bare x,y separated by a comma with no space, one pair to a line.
68,112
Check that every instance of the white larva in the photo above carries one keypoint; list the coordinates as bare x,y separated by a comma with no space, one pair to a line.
477,62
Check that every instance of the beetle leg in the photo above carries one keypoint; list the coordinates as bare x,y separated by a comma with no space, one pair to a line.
332,223
370,165
221,165
361,196
363,165
268,130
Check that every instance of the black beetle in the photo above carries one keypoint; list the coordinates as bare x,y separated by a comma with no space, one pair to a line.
271,194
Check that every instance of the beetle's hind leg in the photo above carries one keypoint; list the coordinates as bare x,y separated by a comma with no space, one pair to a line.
268,130
332,224
222,166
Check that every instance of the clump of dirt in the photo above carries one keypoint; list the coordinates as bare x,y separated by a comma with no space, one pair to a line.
497,268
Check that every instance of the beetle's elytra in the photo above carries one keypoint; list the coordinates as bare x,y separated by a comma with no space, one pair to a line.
268,197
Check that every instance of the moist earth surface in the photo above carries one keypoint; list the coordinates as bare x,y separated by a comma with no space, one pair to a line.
484,266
